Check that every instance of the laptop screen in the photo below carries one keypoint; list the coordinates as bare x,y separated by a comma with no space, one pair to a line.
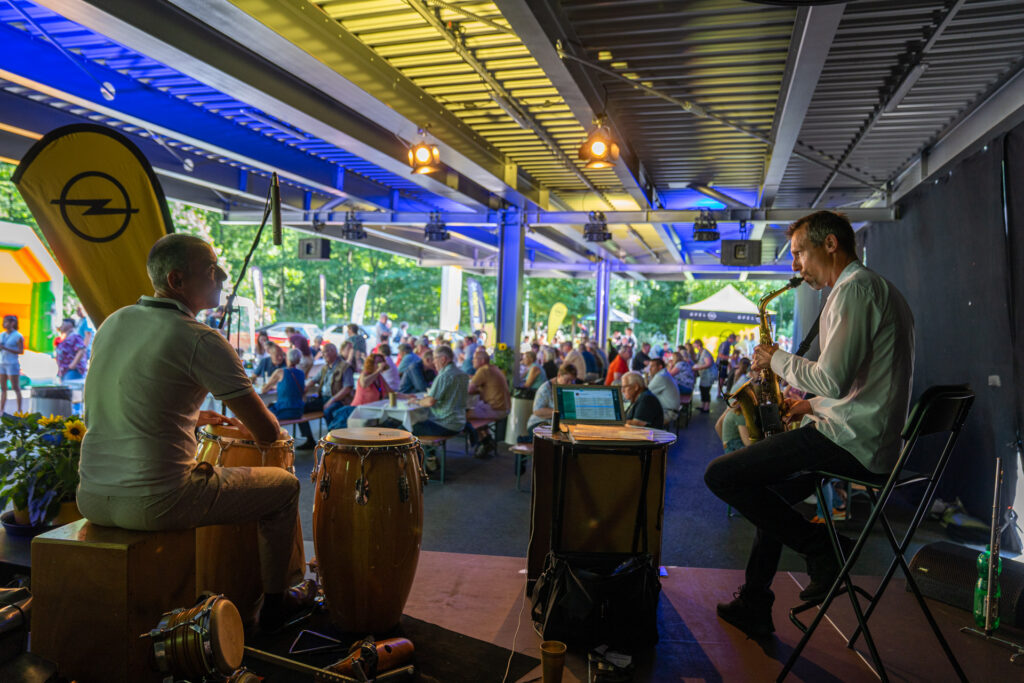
589,404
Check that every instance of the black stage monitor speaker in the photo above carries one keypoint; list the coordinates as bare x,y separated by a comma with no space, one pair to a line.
315,249
741,252
947,572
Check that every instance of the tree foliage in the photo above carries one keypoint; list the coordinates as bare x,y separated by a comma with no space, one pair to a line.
403,289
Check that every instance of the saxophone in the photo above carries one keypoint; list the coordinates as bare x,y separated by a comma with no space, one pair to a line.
760,399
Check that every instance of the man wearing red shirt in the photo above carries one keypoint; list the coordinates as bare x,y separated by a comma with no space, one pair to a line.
619,366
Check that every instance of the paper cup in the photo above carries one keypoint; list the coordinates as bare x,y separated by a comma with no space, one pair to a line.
552,657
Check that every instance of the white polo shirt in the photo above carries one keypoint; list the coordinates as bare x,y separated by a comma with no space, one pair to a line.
152,365
863,376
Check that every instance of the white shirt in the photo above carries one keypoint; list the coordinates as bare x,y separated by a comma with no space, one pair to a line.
664,387
863,376
152,366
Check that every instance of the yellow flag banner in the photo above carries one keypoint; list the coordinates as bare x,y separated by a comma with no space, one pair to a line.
555,318
100,207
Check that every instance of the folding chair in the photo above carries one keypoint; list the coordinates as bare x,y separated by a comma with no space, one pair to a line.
941,409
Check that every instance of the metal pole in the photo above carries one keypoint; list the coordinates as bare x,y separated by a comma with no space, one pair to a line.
602,313
512,251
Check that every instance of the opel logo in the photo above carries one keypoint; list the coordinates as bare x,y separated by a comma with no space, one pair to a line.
96,196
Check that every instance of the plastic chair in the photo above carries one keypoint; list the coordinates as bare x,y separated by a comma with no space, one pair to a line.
941,409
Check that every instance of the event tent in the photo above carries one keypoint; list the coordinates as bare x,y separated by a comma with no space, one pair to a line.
724,312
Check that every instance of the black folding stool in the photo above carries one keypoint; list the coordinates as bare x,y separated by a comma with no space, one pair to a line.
940,409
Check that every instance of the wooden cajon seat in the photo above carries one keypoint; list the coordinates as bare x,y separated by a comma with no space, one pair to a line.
97,588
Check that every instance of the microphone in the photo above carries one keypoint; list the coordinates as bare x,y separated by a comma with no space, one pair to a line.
275,208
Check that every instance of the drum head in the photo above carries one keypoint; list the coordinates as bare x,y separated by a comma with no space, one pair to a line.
369,436
236,434
227,635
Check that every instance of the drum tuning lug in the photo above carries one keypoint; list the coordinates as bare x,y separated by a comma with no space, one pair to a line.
362,491
325,485
403,488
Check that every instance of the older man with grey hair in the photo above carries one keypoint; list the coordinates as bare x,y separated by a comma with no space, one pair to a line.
152,366
642,407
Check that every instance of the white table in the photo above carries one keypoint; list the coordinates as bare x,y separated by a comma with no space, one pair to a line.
378,410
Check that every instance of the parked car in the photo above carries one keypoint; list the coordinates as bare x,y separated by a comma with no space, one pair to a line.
336,334
453,337
276,333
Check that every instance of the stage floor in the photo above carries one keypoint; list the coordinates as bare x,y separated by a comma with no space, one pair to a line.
482,596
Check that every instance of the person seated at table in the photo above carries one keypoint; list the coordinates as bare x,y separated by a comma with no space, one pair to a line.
297,340
371,385
496,401
643,408
550,363
544,401
274,360
571,354
664,387
589,361
391,375
289,383
152,366
446,398
682,373
334,379
619,365
429,367
338,405
410,369
598,353
535,376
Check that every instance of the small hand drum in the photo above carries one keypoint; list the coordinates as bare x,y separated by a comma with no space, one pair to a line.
205,640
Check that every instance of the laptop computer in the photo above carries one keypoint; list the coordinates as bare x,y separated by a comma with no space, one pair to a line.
587,404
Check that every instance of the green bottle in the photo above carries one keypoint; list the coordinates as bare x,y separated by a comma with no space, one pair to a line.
981,590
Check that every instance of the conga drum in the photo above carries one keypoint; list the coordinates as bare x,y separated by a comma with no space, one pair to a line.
227,555
367,524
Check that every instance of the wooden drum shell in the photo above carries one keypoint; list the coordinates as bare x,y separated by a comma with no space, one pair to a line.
227,555
367,552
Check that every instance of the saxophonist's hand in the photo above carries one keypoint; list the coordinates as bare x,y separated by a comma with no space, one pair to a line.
762,359
794,409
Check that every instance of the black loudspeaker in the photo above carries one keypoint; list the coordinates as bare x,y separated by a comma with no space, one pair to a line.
741,252
315,249
947,572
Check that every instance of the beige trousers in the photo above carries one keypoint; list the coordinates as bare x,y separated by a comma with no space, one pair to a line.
215,495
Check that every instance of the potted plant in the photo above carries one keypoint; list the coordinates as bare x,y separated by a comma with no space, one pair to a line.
39,458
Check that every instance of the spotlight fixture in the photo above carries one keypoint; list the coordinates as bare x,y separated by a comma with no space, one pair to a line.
424,157
596,229
599,150
435,231
705,228
353,228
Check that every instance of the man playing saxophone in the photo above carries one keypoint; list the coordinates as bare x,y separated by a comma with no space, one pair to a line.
861,382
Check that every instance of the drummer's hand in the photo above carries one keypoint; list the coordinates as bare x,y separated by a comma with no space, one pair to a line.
210,417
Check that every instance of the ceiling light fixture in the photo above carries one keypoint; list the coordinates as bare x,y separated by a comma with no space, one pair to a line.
596,229
705,228
435,231
599,150
424,157
353,228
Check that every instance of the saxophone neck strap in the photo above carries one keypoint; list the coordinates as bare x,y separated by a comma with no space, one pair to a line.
812,334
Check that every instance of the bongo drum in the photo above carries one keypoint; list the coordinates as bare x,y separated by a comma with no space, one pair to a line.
227,555
367,524
206,640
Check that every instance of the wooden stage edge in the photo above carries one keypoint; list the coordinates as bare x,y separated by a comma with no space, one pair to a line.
482,596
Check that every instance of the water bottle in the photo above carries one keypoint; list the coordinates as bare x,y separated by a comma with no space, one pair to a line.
981,590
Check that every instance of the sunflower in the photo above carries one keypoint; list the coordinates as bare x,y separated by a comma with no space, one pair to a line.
51,420
74,430
22,416
502,347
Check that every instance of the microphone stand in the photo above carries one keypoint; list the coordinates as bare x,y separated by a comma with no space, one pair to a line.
229,306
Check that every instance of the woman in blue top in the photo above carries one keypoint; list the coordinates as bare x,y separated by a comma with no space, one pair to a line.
535,375
290,383
12,345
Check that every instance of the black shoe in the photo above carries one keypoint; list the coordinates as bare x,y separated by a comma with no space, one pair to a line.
751,614
484,449
279,610
306,445
823,568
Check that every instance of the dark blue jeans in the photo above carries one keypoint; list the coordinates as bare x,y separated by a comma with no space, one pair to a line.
764,480
431,428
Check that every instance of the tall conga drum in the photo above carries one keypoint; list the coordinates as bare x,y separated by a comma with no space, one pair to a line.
367,524
227,555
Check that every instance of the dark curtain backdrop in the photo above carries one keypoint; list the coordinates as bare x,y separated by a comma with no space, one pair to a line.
947,254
